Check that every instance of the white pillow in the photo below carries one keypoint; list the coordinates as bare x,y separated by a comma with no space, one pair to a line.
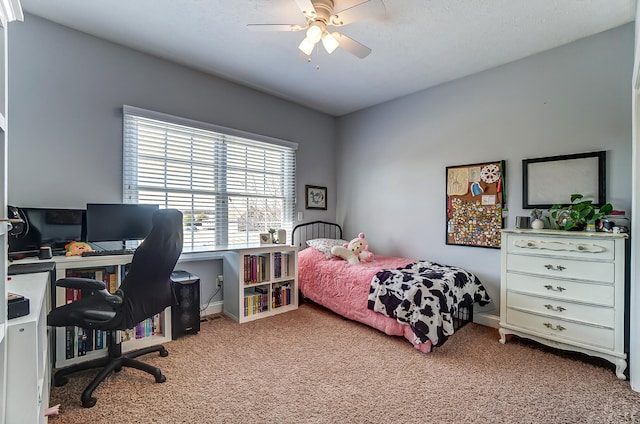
325,244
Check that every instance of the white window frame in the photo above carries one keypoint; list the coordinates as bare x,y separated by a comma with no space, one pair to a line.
212,174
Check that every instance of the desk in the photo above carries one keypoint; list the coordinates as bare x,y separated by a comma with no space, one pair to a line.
28,354
228,262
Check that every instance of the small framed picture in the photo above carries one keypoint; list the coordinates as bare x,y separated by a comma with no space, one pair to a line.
265,238
315,197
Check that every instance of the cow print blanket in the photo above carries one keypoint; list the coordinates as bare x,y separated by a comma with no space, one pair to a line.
426,296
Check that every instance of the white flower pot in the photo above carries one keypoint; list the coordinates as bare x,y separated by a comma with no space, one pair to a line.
537,224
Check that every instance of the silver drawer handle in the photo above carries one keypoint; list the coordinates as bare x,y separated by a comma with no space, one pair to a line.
558,288
555,308
556,328
554,268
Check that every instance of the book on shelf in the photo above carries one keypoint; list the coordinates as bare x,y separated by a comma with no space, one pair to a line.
70,333
99,336
277,264
261,289
285,265
157,324
113,283
81,338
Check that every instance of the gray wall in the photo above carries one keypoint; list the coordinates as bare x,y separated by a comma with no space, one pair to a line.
67,90
392,157
66,93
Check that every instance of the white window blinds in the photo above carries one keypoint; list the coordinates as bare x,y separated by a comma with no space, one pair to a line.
229,185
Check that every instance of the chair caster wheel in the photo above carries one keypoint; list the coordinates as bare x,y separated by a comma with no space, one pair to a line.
118,369
60,381
164,352
161,378
88,403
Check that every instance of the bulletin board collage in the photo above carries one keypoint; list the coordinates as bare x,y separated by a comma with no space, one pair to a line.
475,203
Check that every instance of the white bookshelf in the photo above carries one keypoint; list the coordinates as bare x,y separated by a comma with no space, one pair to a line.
260,281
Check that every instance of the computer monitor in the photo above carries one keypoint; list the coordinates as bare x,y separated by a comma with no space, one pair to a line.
47,227
118,221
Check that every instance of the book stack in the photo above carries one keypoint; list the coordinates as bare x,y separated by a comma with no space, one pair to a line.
280,265
281,295
80,341
149,327
255,269
256,300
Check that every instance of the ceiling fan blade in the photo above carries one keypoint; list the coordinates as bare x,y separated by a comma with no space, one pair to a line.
351,45
274,27
352,10
307,8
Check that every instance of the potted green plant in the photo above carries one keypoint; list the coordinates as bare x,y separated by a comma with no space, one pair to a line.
576,215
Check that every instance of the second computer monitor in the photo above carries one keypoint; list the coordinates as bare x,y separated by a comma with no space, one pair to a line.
118,221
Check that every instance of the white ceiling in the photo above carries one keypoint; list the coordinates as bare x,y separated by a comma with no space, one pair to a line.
416,44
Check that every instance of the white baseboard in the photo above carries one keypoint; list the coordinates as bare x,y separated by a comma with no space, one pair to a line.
481,318
486,319
213,308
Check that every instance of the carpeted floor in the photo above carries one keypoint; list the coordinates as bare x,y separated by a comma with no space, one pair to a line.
311,366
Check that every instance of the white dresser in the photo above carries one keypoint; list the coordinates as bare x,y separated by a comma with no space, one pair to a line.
565,289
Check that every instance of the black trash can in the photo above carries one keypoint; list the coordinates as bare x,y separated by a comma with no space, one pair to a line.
185,315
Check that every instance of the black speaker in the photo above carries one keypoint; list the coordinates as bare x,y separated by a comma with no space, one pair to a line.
185,315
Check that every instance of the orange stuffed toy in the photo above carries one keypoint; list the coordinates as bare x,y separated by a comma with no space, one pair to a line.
76,248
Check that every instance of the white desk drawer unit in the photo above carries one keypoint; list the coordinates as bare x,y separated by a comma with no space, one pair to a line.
567,290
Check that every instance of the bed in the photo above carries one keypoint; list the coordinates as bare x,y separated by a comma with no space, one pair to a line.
422,301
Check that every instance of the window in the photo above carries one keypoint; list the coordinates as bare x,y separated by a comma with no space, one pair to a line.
229,185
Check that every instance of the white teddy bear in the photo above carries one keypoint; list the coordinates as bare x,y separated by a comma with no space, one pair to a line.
356,251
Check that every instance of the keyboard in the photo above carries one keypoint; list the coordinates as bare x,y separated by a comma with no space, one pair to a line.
109,252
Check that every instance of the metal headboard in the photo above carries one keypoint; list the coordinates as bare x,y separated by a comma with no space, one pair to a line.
315,229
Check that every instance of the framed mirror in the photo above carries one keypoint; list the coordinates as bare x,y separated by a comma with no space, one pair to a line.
552,180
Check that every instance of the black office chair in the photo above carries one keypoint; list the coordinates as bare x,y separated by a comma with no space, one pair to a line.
146,290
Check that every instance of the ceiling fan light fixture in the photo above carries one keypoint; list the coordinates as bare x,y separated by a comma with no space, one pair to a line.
329,42
314,33
307,46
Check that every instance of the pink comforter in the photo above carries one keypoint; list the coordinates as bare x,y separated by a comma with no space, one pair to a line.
344,288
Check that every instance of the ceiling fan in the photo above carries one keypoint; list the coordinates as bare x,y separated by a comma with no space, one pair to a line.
320,15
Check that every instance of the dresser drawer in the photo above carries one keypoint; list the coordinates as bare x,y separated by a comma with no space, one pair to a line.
588,249
597,294
562,267
568,331
597,315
